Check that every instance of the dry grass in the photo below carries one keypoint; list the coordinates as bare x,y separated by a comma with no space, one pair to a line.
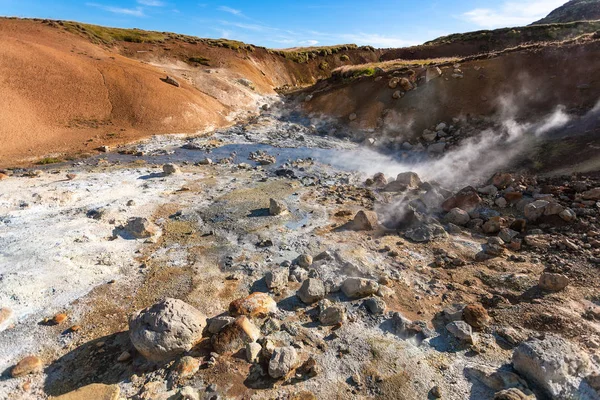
371,69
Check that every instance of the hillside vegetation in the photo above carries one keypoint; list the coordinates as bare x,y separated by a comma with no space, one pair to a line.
574,10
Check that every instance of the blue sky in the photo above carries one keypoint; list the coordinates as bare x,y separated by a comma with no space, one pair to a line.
281,24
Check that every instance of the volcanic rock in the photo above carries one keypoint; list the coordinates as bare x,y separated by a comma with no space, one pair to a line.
255,305
332,315
282,362
410,179
357,288
276,207
171,169
533,211
304,260
466,199
476,316
166,329
553,282
26,366
235,335
140,228
311,291
277,278
461,330
253,352
95,391
593,194
365,221
375,305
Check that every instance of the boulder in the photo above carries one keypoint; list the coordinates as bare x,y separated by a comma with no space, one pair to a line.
405,84
436,148
235,336
502,180
171,81
393,83
216,324
357,288
461,330
432,73
425,232
365,221
568,215
282,362
553,282
166,329
556,366
255,305
276,207
311,291
466,199
95,391
457,216
140,228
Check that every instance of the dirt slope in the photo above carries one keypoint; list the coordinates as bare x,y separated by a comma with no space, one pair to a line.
535,80
66,92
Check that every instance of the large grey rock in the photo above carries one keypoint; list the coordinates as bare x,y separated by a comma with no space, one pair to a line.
277,278
282,362
533,211
140,228
166,329
410,179
461,330
357,288
276,207
170,169
457,216
311,291
332,315
556,366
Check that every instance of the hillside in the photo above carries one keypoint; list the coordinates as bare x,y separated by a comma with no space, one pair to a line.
69,88
574,10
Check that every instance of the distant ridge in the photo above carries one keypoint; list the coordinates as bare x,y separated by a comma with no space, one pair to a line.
574,10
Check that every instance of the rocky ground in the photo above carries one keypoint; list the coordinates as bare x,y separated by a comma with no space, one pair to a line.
272,260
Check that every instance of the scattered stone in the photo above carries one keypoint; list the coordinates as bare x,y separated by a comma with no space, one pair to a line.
410,179
166,329
304,261
216,324
253,352
568,215
365,221
432,73
255,305
206,161
458,217
493,225
513,394
533,211
593,194
95,391
124,356
507,235
436,392
352,117
171,81
489,190
235,335
461,330
278,278
26,366
466,199
5,314
276,207
332,315
59,318
282,362
140,228
436,148
502,180
553,282
187,367
357,288
375,305
311,291
171,169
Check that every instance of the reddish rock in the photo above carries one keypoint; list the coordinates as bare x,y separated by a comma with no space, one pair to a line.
5,314
466,199
502,180
476,316
235,336
255,305
513,197
28,365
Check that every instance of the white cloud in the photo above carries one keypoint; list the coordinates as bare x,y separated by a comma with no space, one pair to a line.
151,3
135,12
231,11
309,42
373,39
511,13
